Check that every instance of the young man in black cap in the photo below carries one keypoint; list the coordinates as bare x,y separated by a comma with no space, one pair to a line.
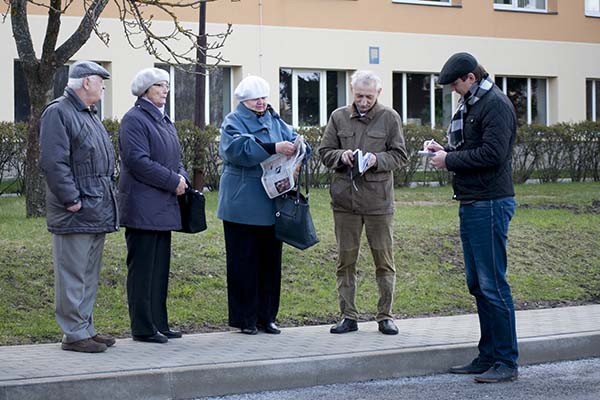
78,160
478,153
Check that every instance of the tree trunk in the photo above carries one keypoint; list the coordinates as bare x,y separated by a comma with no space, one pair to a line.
40,93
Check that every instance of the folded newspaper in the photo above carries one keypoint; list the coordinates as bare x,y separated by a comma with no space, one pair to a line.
279,170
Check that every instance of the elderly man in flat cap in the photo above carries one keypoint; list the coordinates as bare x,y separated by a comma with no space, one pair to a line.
364,201
478,153
152,176
78,161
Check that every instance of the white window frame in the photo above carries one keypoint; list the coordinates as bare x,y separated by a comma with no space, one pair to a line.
431,97
594,99
442,3
591,13
529,109
514,7
172,83
322,93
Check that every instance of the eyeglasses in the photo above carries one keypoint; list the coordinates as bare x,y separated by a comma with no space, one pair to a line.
162,85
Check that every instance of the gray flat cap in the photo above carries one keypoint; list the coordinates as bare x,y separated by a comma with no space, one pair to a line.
460,64
83,68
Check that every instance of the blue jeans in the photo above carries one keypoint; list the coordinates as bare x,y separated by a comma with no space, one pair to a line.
483,232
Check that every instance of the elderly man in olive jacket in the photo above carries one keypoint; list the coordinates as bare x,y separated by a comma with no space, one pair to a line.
78,160
365,199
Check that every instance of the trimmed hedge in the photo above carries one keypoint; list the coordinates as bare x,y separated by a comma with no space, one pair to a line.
545,152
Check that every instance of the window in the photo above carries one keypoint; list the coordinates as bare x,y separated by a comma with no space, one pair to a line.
426,2
416,95
308,97
529,97
592,8
21,94
592,92
181,100
521,5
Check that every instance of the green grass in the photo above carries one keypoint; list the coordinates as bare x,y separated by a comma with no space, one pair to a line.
553,260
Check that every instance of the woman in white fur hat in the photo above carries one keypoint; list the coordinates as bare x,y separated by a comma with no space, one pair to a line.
250,135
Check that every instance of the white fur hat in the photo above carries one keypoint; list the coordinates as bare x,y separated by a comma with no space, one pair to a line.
252,87
146,78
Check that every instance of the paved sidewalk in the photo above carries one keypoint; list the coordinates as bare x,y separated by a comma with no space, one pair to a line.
213,364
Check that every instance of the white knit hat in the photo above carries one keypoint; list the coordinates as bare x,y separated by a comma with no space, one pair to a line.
252,87
146,78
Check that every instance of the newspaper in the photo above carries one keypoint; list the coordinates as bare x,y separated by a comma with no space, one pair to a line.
279,170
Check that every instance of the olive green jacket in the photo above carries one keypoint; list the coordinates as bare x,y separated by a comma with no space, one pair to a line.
378,132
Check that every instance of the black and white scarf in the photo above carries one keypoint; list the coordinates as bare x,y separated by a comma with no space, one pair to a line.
455,130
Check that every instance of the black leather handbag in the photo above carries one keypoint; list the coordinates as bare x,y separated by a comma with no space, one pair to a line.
192,206
293,222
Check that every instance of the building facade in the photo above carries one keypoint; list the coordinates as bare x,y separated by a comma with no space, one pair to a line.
545,54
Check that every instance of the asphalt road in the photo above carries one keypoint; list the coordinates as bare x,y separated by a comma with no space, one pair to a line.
570,380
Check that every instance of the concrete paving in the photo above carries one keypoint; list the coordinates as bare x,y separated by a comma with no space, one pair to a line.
212,364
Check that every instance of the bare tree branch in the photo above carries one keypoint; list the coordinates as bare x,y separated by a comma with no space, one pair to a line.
52,30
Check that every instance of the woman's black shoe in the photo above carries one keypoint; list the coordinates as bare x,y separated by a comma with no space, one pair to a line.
171,334
156,338
269,328
250,331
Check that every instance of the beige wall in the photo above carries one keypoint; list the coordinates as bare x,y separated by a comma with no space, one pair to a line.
566,20
263,50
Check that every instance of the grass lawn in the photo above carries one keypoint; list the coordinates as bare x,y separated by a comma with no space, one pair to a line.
553,260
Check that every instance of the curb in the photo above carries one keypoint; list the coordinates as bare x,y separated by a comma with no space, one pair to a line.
289,373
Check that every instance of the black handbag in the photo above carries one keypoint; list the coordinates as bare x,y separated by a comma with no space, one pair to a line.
293,222
193,216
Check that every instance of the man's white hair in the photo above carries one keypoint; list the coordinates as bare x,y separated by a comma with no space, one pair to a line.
365,77
75,83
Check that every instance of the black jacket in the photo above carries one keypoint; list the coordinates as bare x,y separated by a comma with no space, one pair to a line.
78,160
482,166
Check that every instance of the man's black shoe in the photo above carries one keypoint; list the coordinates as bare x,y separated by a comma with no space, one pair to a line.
171,334
250,330
344,326
156,338
498,373
387,327
269,327
474,367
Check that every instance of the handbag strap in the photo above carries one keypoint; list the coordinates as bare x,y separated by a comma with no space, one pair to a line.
306,180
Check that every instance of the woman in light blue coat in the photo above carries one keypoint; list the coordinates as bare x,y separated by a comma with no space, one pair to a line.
250,135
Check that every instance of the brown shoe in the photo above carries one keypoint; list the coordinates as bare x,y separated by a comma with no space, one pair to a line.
85,346
107,340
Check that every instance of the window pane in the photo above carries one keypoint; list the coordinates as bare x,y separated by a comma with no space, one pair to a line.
499,81
509,2
285,94
592,5
532,4
308,98
336,90
220,94
417,98
397,92
588,100
538,102
516,90
21,95
185,95
443,104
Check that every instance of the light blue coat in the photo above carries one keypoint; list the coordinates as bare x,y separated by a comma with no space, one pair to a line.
242,197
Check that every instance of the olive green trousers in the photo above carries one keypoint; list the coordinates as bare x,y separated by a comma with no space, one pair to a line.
379,231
